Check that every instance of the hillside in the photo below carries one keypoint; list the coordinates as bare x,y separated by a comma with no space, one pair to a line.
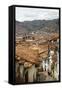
37,25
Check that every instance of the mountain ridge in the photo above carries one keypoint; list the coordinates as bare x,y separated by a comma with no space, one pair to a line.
48,26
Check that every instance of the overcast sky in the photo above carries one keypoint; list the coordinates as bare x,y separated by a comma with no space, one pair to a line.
29,14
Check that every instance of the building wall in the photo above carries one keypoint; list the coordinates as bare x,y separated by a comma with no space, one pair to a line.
21,70
32,74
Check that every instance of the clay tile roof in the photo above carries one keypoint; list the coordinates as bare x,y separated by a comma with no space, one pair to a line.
31,54
26,53
54,36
